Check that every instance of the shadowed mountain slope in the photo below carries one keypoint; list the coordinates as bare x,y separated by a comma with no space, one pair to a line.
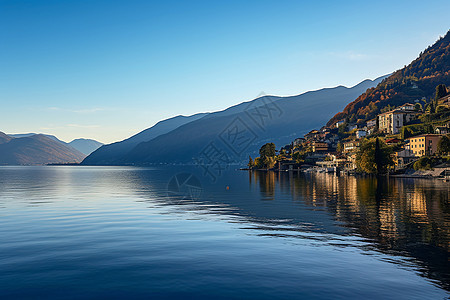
285,118
111,153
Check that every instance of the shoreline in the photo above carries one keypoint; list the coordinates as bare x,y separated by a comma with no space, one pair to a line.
428,175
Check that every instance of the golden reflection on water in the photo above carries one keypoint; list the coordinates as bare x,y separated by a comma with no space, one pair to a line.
392,210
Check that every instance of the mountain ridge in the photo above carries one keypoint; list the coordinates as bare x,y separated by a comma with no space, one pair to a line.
85,146
191,136
36,149
415,81
107,154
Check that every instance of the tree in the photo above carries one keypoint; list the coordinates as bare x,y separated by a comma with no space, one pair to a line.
374,156
258,163
424,163
269,162
378,156
298,157
267,150
443,145
250,164
441,91
343,128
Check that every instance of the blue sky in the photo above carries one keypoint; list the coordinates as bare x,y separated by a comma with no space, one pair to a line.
109,69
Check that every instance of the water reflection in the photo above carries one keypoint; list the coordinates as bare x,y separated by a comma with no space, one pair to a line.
402,216
405,220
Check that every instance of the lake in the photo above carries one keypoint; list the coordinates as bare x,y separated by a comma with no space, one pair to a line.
172,232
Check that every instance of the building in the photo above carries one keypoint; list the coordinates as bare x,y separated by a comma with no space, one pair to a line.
360,133
351,146
404,157
392,121
333,161
371,126
392,141
339,123
407,106
319,147
442,130
425,144
371,123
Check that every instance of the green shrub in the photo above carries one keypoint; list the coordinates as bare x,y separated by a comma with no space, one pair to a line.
425,163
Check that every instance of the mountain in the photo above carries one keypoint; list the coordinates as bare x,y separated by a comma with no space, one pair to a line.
21,135
110,154
36,149
416,81
85,146
4,138
285,118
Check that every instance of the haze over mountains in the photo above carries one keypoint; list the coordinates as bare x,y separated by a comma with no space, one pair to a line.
36,149
85,146
41,149
267,118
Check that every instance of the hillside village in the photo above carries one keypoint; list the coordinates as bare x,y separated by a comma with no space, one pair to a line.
403,139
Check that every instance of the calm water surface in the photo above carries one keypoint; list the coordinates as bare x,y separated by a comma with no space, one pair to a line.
109,232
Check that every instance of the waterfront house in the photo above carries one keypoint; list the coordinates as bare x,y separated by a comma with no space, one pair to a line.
425,144
404,157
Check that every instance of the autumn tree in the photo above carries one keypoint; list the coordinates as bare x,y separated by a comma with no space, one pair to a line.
250,164
267,155
267,150
374,156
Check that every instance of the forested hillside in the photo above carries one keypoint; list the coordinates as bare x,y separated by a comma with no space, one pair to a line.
416,81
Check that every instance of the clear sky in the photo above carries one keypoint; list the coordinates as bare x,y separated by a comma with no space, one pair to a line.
109,69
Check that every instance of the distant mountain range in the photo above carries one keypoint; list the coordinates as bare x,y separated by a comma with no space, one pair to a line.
36,149
414,82
267,118
85,146
41,149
